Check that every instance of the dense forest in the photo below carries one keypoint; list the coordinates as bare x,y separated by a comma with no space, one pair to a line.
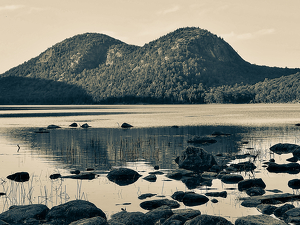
189,65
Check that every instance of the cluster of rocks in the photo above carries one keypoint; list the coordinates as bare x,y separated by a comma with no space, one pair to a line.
80,212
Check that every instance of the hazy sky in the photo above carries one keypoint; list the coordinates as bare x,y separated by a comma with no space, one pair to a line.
264,32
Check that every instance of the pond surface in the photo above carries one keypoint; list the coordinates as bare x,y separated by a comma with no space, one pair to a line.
151,142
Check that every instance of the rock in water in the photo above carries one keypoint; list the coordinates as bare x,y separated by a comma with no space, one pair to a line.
196,159
284,148
258,220
126,125
208,219
149,205
72,211
19,177
123,176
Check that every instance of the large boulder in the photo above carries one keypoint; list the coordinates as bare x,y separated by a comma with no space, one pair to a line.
123,176
258,220
196,159
153,204
284,148
208,219
249,183
162,212
97,220
130,218
19,177
294,184
193,199
21,214
292,216
73,211
282,209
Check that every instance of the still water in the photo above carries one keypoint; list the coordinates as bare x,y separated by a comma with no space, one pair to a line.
151,142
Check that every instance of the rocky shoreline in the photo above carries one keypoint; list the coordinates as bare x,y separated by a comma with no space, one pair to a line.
196,168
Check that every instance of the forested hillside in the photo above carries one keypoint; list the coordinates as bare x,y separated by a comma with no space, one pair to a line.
189,65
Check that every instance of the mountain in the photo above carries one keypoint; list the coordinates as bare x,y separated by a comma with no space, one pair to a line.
180,67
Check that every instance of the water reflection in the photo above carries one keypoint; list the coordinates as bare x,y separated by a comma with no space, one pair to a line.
104,148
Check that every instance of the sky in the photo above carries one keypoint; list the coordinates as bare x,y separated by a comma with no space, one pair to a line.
263,32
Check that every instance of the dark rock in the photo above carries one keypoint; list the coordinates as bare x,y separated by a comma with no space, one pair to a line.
153,204
73,211
126,125
81,176
232,178
75,172
214,200
215,168
244,166
41,131
90,169
266,208
201,140
292,159
251,203
272,199
272,160
196,159
130,218
188,213
255,191
195,181
292,168
193,199
85,125
19,177
55,176
282,209
179,173
222,194
248,183
292,216
209,175
53,126
157,172
162,212
258,220
294,184
284,148
175,219
123,176
275,191
296,153
150,178
156,167
174,126
19,214
91,221
73,125
178,195
208,219
2,193
147,195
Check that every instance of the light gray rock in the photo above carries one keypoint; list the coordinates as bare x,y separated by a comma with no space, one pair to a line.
91,221
208,219
21,213
258,220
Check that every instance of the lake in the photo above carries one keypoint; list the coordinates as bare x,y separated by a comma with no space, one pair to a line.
254,128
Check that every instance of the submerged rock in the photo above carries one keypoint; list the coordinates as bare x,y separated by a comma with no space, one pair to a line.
255,191
222,194
81,176
123,176
196,159
244,166
147,195
19,177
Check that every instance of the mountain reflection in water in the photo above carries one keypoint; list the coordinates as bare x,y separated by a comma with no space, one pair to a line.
104,148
